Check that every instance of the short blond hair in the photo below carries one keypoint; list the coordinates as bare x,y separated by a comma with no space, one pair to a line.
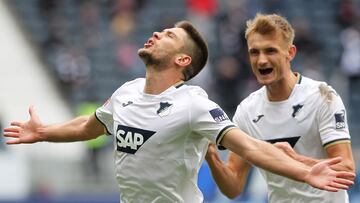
268,24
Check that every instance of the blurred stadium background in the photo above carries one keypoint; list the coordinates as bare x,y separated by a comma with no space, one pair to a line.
66,57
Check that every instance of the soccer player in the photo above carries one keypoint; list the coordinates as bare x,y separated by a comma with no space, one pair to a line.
162,128
294,110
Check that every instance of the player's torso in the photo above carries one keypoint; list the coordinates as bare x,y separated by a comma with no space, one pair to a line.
144,123
154,148
294,121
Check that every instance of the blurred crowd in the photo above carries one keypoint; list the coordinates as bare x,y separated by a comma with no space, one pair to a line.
82,40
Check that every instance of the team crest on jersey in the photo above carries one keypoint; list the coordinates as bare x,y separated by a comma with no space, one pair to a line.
218,115
129,139
164,109
340,119
296,110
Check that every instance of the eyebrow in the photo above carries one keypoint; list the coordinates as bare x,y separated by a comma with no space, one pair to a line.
252,49
170,32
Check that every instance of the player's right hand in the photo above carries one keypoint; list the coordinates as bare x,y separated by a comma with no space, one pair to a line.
25,132
211,151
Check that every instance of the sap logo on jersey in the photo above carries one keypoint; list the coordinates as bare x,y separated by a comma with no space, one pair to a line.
129,139
218,115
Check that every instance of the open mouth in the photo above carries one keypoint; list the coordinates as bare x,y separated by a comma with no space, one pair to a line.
149,43
265,71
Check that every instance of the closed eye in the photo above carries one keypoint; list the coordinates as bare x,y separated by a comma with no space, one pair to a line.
170,34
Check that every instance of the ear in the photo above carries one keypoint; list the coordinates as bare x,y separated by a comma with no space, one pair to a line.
292,52
183,60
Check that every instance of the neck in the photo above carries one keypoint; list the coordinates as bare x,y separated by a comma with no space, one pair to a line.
157,81
282,89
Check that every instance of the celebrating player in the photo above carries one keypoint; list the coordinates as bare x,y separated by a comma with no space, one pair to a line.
294,110
162,128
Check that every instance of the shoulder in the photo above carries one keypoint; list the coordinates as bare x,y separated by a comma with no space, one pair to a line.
194,92
254,98
319,89
198,98
132,85
309,83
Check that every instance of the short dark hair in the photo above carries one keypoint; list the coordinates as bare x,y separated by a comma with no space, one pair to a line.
197,49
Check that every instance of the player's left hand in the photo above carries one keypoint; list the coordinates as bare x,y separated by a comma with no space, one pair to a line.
321,176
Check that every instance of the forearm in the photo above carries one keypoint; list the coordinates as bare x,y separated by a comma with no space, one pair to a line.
347,163
67,132
265,155
270,158
344,165
230,180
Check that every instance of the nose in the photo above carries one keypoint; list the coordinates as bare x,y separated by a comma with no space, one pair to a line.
262,60
156,35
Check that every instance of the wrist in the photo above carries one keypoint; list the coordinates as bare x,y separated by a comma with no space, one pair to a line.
295,156
41,134
305,177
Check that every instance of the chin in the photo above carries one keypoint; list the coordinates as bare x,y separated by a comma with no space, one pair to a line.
263,81
142,51
147,57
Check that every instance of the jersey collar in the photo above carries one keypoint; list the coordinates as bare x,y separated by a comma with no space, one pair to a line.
179,84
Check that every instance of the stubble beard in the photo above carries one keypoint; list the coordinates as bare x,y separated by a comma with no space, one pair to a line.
150,61
147,58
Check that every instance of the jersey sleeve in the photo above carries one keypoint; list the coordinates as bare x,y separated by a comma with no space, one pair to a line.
104,114
209,120
332,120
239,118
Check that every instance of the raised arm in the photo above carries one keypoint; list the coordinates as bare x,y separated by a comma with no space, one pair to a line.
32,131
230,177
268,157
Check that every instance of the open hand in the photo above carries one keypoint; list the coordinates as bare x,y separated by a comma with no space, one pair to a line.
24,132
323,177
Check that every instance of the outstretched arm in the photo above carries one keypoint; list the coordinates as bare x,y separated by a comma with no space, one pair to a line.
32,131
268,157
230,177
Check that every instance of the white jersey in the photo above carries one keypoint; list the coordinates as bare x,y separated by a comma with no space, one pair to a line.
309,121
161,140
